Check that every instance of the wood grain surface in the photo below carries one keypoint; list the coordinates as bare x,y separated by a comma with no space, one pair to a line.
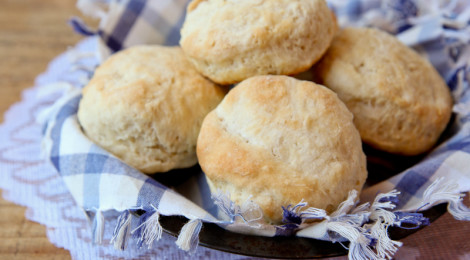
32,33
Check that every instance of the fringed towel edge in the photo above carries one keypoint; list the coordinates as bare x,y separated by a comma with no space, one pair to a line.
188,239
364,226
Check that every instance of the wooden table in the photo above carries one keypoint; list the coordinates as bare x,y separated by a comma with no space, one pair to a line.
32,33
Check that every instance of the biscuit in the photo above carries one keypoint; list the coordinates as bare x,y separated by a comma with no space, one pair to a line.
229,41
399,101
145,105
277,140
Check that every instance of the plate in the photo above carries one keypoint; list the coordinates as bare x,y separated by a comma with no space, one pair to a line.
380,165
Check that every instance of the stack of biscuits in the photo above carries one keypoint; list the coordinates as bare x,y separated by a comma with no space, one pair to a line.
271,138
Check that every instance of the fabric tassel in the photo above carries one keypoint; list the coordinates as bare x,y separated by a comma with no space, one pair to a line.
441,192
345,209
297,215
292,219
384,246
386,200
348,231
360,251
188,238
364,226
291,215
381,209
385,216
121,232
79,27
360,244
98,227
361,209
248,212
410,218
346,205
150,230
314,213
227,206
459,210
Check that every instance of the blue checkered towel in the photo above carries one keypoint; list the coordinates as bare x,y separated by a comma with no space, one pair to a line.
99,182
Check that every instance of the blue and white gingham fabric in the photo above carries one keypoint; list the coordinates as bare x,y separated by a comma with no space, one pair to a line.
439,30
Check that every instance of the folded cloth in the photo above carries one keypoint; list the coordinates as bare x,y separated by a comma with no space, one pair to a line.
99,181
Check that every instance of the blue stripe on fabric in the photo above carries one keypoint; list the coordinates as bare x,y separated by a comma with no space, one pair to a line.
428,167
174,35
465,120
113,44
55,161
437,57
72,164
115,166
453,80
69,109
352,9
127,20
98,160
94,163
156,20
405,8
463,146
415,178
204,190
409,185
150,193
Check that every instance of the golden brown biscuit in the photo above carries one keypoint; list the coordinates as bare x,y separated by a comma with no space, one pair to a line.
229,41
399,101
146,105
280,140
